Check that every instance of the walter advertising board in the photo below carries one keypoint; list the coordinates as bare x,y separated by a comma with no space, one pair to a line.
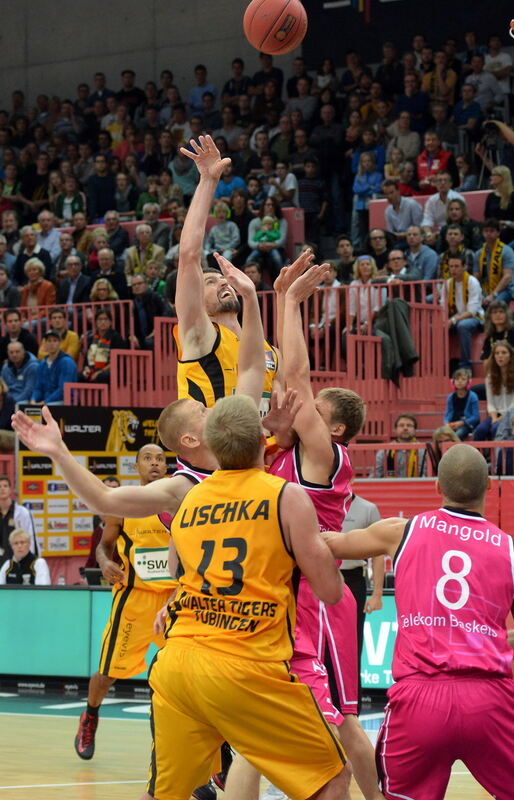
104,441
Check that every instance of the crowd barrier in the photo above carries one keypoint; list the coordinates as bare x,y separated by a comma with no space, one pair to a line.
341,351
81,318
294,239
475,202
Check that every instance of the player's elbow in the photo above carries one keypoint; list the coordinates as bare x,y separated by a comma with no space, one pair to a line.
331,591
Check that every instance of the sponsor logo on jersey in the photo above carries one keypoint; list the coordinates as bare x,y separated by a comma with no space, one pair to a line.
151,563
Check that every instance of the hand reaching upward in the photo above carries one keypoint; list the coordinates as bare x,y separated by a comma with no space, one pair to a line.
45,439
308,283
289,274
236,278
206,157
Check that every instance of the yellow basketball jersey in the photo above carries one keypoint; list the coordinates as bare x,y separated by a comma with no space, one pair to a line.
215,375
235,592
143,548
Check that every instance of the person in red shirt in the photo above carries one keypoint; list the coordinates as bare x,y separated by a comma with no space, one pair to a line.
432,160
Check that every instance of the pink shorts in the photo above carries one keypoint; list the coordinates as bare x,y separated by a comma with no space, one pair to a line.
431,722
314,674
333,633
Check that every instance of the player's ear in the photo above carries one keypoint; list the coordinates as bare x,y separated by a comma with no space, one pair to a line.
338,429
438,488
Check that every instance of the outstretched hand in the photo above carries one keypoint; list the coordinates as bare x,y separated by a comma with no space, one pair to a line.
236,278
206,157
289,274
281,416
308,283
45,439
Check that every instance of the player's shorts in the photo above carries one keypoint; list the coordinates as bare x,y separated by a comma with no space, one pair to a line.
333,631
432,722
129,631
312,672
202,697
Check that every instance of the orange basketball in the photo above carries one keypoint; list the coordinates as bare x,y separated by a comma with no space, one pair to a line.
275,26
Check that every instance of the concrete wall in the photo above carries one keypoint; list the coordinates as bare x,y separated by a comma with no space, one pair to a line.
51,45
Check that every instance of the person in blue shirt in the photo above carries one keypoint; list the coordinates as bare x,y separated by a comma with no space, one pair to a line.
369,145
53,372
467,114
228,183
462,412
367,182
194,99
19,372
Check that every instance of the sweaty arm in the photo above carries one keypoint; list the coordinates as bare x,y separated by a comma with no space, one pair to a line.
196,332
251,365
315,438
111,571
301,533
381,538
128,501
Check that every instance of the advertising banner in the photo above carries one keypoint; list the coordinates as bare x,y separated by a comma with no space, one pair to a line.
103,440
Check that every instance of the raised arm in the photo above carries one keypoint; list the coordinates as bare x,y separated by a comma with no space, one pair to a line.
165,494
381,538
283,282
251,364
196,332
315,436
301,532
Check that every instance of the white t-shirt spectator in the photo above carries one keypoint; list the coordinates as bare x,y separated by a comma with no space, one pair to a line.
288,183
495,63
434,213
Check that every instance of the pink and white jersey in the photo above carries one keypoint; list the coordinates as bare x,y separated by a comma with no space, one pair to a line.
454,586
195,474
332,501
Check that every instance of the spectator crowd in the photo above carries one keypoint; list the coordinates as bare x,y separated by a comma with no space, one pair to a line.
73,169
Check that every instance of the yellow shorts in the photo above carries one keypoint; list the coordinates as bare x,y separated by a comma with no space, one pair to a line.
201,697
129,631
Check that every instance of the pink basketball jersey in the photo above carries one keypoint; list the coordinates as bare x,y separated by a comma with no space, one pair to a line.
195,474
454,586
331,502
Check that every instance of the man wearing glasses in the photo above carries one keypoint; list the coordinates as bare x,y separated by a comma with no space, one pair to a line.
379,249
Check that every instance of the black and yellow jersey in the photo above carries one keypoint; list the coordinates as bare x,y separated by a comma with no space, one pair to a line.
214,375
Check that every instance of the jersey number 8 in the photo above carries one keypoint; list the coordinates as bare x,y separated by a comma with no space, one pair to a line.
458,577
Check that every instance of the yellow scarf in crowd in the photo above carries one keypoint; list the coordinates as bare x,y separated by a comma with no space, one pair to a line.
452,308
495,271
412,462
443,267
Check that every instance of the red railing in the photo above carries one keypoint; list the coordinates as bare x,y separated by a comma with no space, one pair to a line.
132,379
81,318
165,361
91,395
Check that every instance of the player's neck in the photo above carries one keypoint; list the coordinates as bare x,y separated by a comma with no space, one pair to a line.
477,508
229,320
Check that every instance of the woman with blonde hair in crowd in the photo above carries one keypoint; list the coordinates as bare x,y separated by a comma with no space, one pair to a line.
500,202
499,389
363,305
393,165
38,291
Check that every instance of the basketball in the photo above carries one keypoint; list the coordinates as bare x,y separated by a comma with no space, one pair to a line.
275,26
